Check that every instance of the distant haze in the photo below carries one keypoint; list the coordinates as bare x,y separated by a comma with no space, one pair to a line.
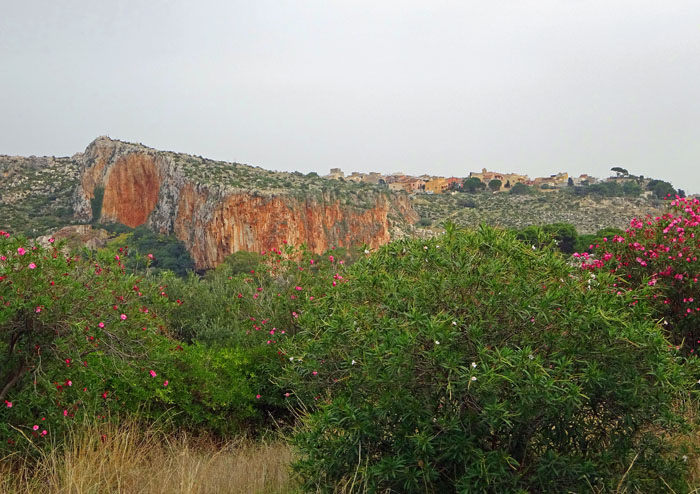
430,86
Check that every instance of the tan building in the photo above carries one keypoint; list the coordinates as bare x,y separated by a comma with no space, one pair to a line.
372,178
436,186
335,173
558,180
411,186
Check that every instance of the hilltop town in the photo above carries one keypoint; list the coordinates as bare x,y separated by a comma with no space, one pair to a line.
625,183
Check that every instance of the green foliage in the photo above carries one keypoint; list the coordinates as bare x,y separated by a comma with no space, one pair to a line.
631,189
564,235
587,242
472,185
140,244
466,203
424,222
520,188
495,185
96,203
472,363
242,262
80,337
661,188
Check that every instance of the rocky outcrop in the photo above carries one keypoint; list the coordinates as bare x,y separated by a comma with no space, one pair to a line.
77,236
144,186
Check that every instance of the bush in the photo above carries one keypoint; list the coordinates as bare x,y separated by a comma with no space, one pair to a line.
520,188
473,363
564,235
79,337
96,203
424,222
660,252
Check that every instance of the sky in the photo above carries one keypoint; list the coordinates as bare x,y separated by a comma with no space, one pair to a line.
438,87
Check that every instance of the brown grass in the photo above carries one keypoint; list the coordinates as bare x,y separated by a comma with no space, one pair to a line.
131,459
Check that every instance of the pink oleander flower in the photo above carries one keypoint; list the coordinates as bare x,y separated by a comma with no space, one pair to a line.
152,373
32,265
21,251
36,427
123,317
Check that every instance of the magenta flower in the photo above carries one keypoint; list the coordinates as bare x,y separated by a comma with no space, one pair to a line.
123,317
101,325
32,265
165,384
8,404
153,373
21,251
36,427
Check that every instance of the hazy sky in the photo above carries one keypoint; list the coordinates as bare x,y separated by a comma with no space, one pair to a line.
440,87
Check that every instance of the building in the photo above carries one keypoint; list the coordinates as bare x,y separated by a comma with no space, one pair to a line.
335,173
558,180
436,186
410,185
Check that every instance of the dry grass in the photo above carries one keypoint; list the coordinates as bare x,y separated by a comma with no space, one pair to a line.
130,459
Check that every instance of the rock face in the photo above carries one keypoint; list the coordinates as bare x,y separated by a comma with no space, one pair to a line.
214,219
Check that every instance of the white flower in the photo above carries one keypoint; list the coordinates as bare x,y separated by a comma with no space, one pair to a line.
454,323
353,362
291,359
473,365
473,378
685,458
366,251
425,247
437,343
534,248
531,356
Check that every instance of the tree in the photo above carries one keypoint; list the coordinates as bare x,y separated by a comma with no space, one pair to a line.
495,185
570,182
621,172
661,188
473,184
631,189
520,188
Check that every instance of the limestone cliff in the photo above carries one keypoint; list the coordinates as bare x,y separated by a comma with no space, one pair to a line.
219,208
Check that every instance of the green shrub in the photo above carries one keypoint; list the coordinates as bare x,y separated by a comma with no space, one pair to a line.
473,363
96,203
520,188
80,337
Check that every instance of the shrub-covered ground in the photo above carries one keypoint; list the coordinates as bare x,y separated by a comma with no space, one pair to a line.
471,362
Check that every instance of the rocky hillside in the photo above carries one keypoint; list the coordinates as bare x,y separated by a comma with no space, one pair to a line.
36,193
587,214
218,208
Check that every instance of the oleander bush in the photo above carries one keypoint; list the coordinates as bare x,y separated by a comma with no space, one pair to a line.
660,252
473,363
81,337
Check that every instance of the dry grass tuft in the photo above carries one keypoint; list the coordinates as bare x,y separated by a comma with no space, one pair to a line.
130,459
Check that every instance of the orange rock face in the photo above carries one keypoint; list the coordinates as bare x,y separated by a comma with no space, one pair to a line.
256,223
131,190
145,186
